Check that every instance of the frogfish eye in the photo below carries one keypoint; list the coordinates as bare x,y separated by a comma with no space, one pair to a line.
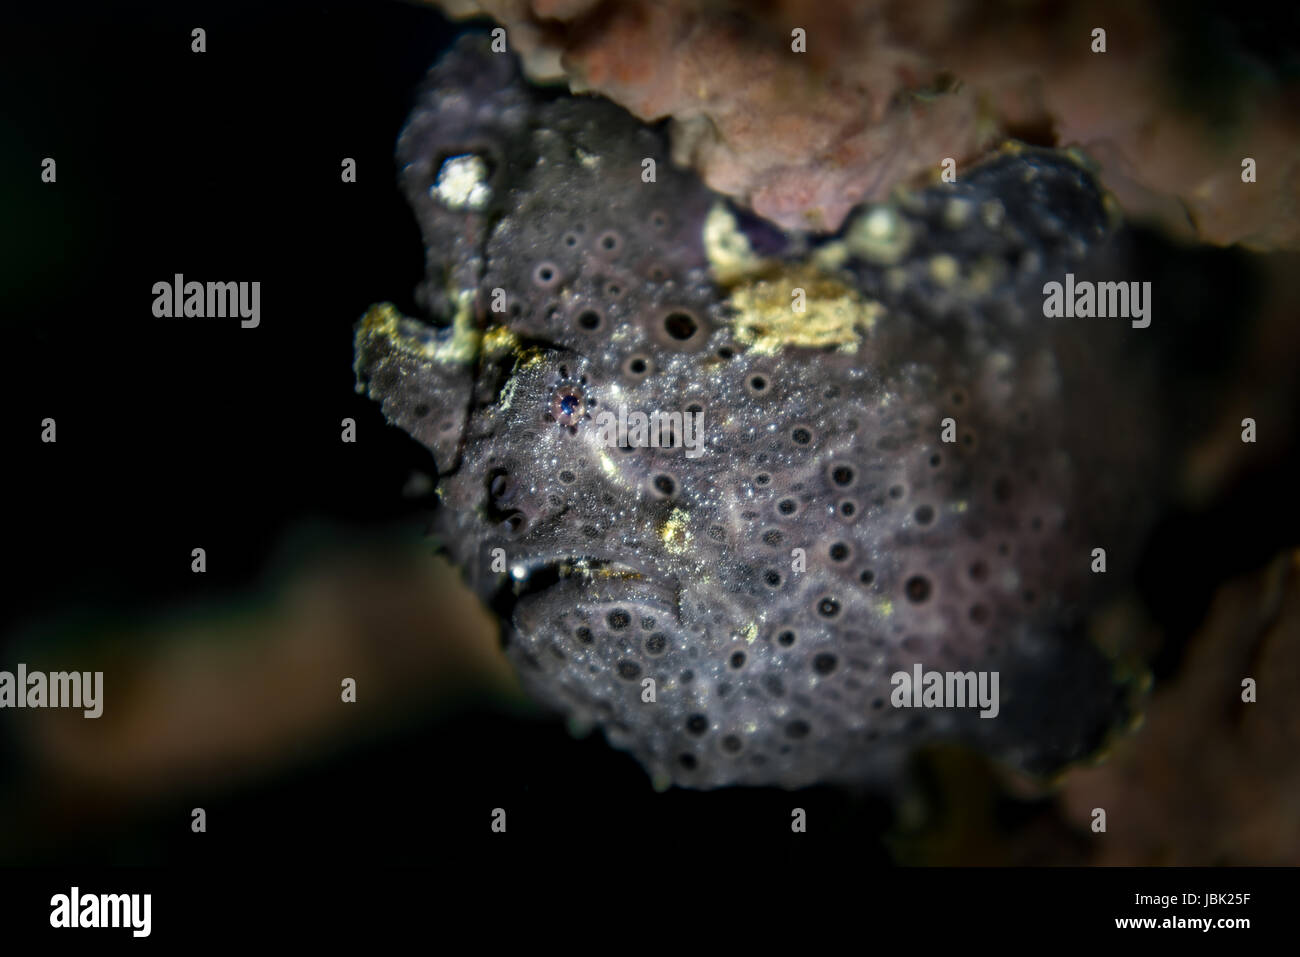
569,405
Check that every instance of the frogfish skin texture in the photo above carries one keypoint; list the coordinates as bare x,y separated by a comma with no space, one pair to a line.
901,461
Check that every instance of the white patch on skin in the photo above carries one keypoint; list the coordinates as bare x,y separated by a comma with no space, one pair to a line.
462,183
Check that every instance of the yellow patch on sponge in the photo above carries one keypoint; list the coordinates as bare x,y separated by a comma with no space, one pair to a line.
416,339
834,314
676,536
731,258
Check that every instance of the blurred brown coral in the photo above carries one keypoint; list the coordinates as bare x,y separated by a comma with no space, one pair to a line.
1211,779
888,89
